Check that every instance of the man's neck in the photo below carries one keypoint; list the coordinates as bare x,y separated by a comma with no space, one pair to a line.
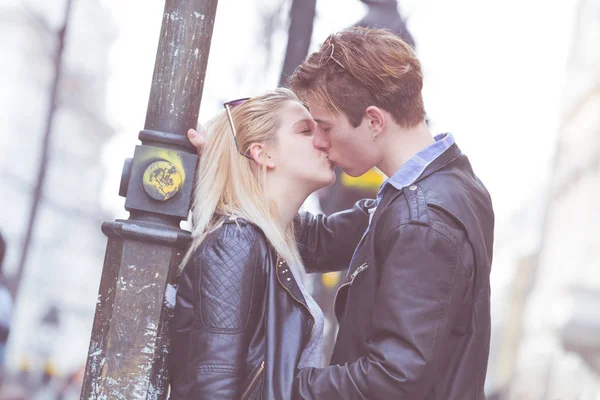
400,144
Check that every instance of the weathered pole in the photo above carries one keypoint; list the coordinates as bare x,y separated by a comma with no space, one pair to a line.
128,351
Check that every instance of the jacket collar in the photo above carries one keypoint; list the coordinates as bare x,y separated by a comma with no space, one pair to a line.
443,160
448,156
286,279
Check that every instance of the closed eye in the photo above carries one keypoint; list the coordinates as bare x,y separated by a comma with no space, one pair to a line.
305,126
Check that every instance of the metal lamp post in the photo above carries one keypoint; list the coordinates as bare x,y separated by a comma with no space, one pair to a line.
129,341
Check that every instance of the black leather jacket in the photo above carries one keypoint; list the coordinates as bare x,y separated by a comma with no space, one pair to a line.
240,321
414,312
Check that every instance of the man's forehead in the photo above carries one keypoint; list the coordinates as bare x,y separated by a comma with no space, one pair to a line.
316,104
323,121
320,112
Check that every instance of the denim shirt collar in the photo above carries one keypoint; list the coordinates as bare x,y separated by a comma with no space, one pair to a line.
414,167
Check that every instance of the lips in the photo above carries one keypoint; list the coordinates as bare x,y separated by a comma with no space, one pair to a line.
331,163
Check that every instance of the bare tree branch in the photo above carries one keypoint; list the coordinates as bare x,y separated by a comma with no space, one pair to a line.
13,283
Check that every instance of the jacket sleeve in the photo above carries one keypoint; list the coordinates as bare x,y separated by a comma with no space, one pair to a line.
215,342
420,293
327,243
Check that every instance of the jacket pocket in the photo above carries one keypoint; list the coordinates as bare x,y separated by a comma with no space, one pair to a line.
253,390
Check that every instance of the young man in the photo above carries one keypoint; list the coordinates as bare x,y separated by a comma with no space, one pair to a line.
415,310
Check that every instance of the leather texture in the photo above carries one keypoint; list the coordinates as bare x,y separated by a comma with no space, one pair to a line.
225,283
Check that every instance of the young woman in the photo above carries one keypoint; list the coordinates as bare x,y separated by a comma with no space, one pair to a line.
243,321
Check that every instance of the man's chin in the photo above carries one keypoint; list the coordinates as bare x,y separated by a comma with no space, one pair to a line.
353,172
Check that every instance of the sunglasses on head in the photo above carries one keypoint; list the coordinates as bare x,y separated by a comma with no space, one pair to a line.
331,57
228,106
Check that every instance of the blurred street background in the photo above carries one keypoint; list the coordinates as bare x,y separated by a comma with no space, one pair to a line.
516,81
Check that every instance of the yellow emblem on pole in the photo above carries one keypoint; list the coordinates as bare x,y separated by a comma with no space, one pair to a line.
162,180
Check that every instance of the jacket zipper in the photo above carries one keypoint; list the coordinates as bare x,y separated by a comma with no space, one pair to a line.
294,297
361,268
254,379
358,270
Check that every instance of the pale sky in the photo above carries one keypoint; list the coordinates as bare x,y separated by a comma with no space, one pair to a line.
494,74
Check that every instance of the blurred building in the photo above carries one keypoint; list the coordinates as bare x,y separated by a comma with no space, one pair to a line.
57,294
549,344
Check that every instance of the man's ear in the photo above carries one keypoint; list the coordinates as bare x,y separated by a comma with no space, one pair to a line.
258,152
376,119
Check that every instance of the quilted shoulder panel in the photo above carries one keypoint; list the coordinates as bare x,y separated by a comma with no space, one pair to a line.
226,280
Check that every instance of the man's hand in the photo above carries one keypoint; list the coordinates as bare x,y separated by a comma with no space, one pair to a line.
196,137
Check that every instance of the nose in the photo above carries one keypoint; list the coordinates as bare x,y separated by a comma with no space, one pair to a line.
320,140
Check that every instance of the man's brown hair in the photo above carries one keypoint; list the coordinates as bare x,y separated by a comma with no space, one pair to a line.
361,67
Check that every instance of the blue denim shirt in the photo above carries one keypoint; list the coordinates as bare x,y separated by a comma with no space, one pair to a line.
414,167
411,171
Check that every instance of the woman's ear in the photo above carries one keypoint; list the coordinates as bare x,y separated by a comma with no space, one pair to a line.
259,153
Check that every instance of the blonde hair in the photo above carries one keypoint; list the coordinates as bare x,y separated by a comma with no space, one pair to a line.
229,184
